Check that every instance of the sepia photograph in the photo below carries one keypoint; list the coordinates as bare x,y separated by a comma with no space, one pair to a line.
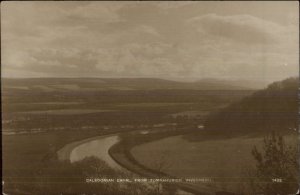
150,97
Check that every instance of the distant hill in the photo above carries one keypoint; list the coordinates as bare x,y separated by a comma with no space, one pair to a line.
274,108
250,84
92,84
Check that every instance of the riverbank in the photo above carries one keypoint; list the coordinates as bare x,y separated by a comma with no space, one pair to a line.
121,153
64,153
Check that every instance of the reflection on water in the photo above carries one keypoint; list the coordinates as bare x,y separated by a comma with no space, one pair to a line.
98,148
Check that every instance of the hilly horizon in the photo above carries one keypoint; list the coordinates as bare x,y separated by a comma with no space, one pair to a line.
52,84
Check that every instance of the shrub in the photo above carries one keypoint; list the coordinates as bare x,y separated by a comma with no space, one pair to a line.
276,167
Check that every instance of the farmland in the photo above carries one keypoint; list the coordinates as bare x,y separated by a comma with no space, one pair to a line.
41,116
161,130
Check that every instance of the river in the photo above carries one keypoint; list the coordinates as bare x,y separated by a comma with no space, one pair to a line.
97,146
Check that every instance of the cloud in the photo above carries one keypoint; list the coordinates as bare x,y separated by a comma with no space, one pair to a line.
242,28
52,61
175,4
135,58
153,39
105,13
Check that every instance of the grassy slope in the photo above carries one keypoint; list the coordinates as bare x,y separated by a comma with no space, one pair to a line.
210,158
226,161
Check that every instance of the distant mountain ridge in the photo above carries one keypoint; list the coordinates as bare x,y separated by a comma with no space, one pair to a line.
113,84
272,109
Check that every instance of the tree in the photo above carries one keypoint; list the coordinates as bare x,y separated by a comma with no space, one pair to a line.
276,167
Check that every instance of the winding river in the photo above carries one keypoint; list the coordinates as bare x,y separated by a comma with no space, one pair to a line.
99,147
96,146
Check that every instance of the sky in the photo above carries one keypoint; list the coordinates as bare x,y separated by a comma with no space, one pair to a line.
171,40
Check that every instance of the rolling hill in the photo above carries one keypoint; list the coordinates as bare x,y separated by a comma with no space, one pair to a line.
272,109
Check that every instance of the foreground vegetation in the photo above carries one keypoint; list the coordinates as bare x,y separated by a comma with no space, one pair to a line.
277,167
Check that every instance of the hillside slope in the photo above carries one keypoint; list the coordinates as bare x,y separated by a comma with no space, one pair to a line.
272,109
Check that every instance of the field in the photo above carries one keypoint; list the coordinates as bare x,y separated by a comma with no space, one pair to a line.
233,155
36,110
228,160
